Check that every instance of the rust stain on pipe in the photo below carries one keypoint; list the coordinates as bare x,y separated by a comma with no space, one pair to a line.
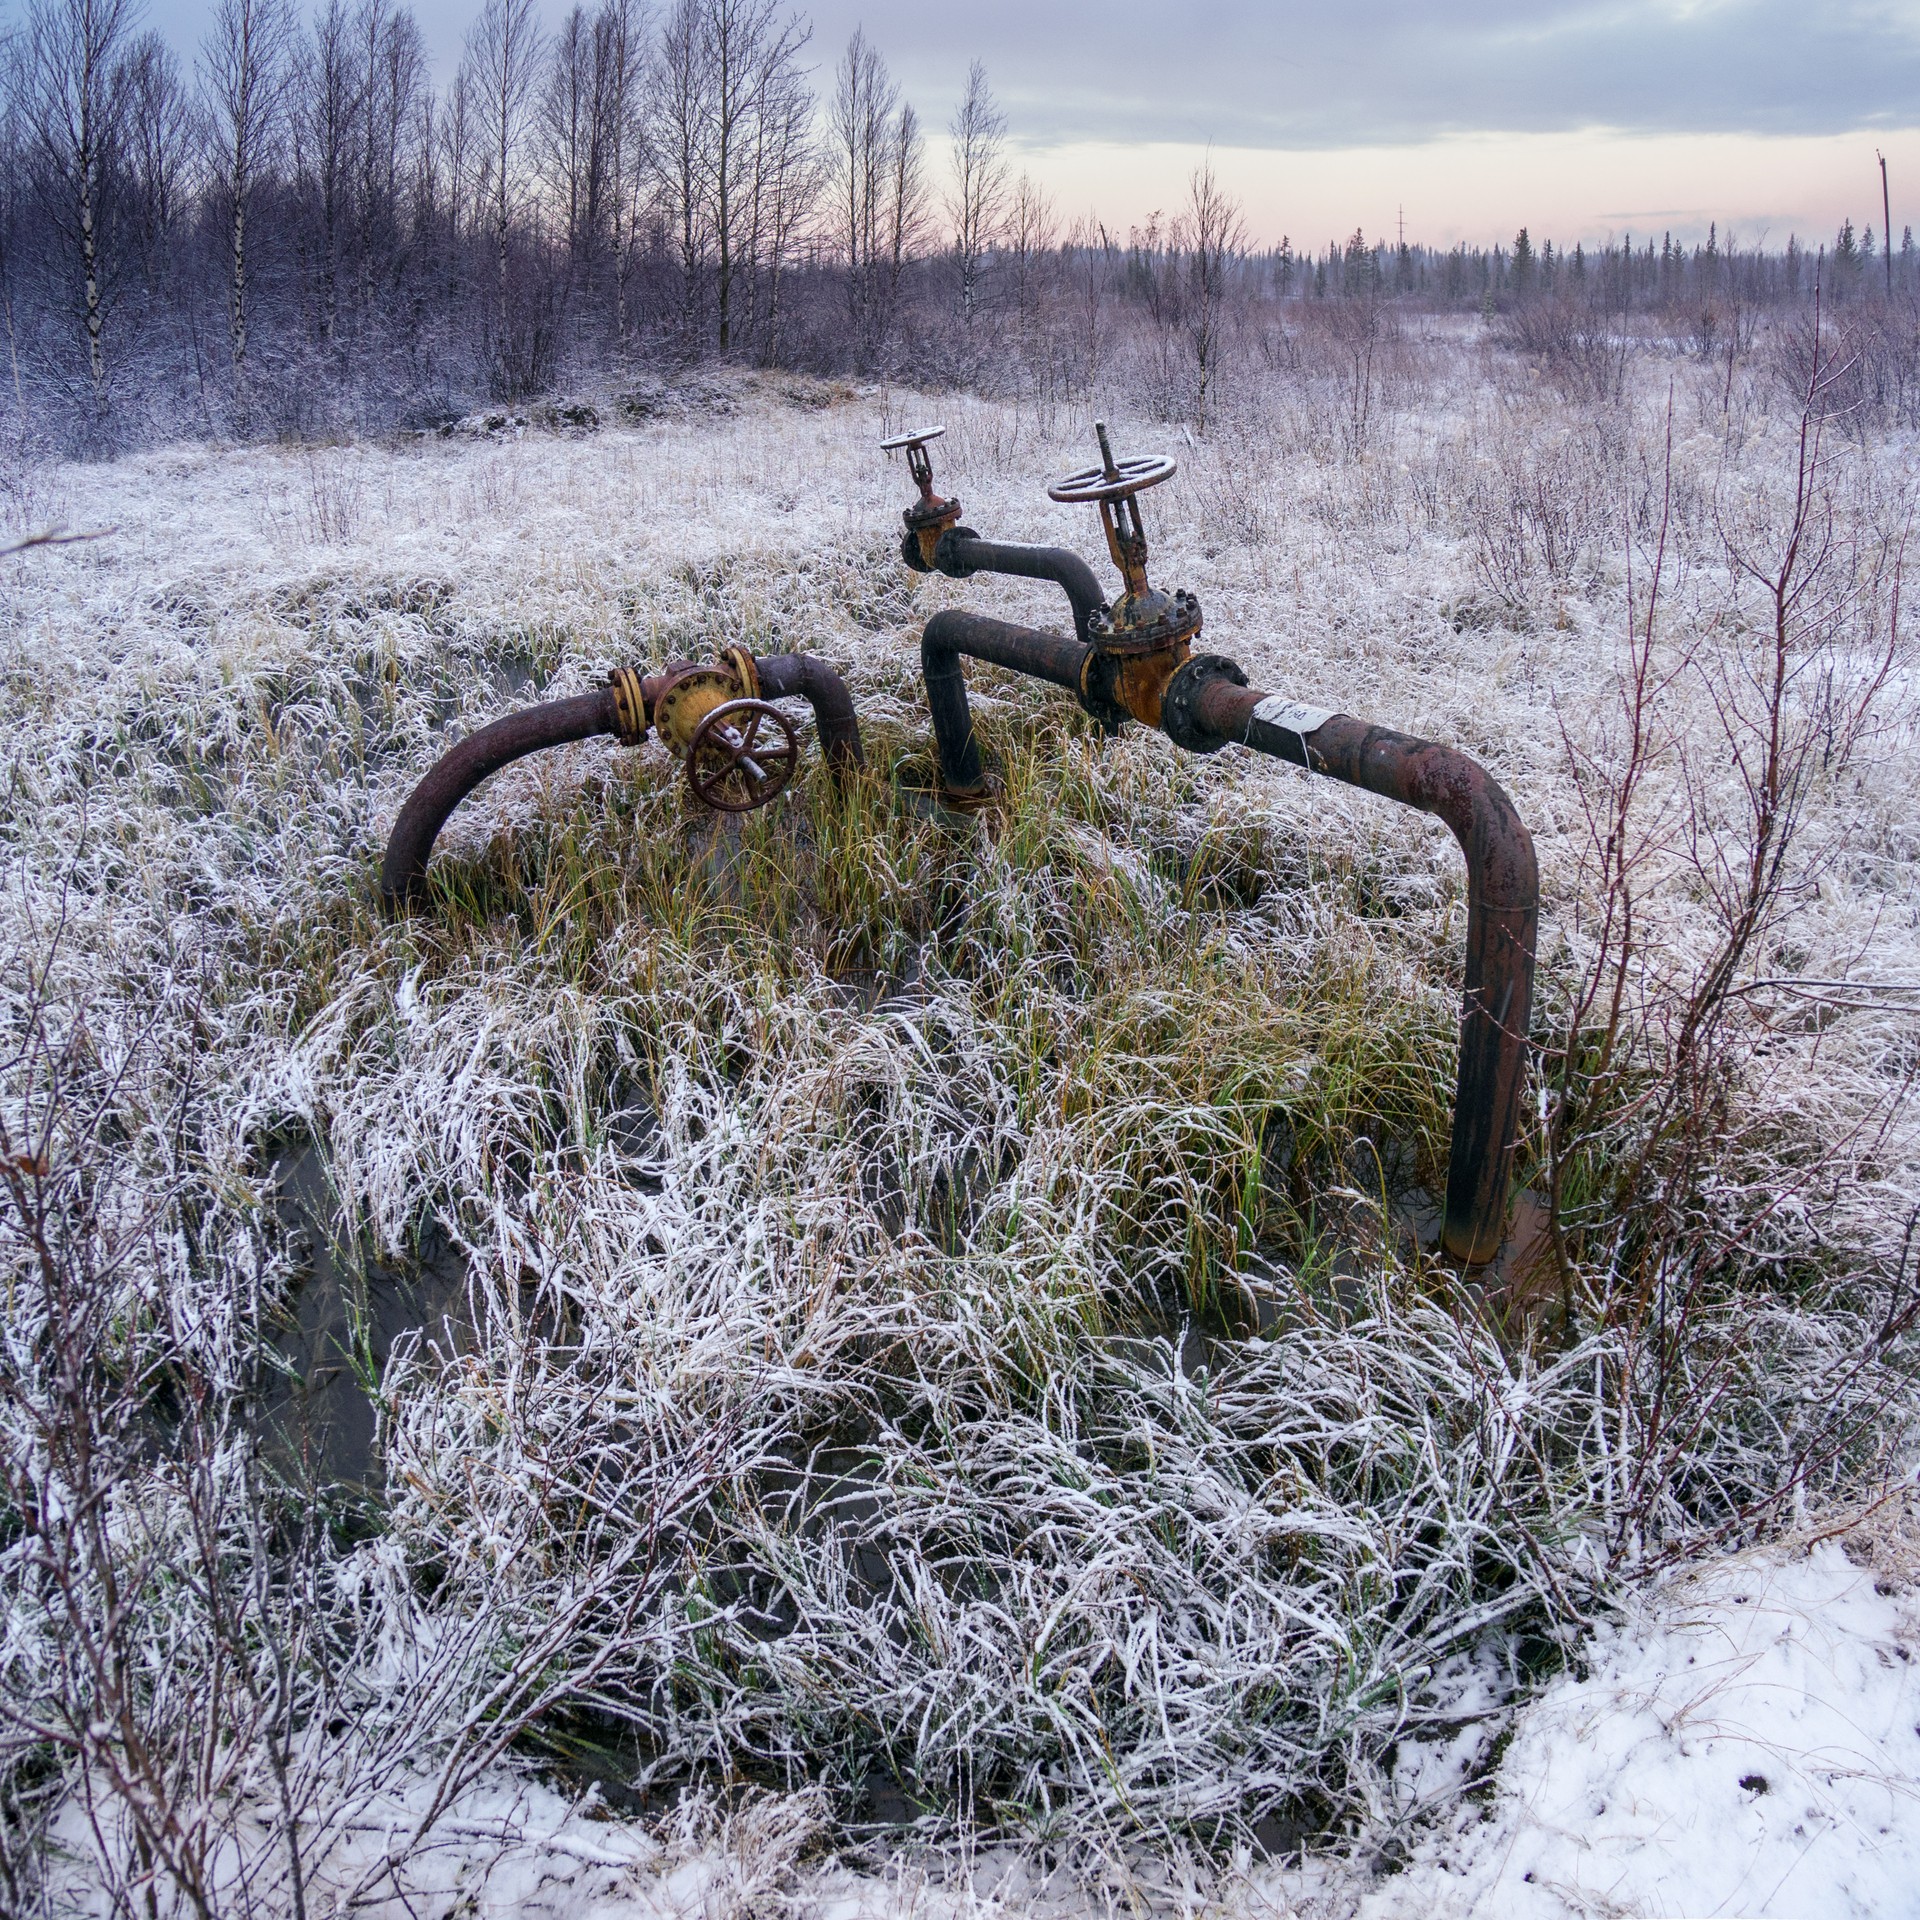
624,709
1503,915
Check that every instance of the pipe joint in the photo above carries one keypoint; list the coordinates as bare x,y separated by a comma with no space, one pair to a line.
738,750
1179,718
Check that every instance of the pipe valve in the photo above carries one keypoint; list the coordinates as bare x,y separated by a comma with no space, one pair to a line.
1144,639
930,516
738,750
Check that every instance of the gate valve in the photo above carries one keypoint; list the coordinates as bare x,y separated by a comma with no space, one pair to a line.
930,516
1145,637
739,751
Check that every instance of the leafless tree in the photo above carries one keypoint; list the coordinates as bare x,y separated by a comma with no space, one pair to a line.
731,138
676,117
1213,235
329,103
76,85
979,135
587,130
392,64
620,30
159,147
571,159
244,75
502,68
1031,232
783,177
752,58
877,204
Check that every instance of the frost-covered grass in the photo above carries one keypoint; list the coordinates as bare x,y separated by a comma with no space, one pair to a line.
939,1323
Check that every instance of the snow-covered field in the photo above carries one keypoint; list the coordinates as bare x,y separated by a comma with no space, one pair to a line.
926,1340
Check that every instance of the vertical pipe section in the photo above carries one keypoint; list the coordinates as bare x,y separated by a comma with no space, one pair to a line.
945,638
1503,913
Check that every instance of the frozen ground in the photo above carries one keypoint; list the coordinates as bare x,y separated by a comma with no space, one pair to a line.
696,1149
1744,1740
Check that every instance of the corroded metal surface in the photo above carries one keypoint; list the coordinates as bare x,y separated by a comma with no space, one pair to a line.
1503,915
1134,660
930,516
455,775
626,708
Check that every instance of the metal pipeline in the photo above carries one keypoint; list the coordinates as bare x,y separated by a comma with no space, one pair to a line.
799,676
403,872
1503,914
1208,706
1046,656
962,553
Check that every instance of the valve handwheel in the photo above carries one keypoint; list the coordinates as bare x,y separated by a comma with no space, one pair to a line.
1117,480
917,438
742,756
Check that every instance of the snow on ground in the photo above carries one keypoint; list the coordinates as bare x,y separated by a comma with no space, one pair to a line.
1746,1740
1743,1741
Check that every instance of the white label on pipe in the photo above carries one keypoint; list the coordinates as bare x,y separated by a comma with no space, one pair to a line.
1293,716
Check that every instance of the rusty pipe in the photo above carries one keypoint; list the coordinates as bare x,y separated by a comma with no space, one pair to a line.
1207,706
1503,914
948,636
403,873
457,772
800,676
962,553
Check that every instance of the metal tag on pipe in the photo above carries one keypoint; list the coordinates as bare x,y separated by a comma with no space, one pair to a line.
1292,716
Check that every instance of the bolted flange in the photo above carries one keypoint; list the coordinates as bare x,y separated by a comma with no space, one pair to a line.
1177,704
684,694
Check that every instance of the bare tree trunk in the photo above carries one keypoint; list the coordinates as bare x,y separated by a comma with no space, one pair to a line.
1215,234
503,54
244,77
76,91
979,134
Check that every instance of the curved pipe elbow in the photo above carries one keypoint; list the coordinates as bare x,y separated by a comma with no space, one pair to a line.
799,676
943,641
457,772
962,553
1503,917
403,873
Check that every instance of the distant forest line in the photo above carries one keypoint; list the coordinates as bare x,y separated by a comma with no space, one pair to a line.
301,233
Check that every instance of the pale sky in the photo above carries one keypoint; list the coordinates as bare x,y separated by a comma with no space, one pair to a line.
1579,120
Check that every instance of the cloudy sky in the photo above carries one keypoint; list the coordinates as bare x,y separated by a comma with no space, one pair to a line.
1473,116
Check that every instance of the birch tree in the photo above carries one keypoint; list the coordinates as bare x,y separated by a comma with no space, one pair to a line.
244,74
503,68
877,203
979,134
76,89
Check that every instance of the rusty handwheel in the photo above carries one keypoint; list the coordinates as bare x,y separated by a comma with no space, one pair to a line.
742,756
1113,480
